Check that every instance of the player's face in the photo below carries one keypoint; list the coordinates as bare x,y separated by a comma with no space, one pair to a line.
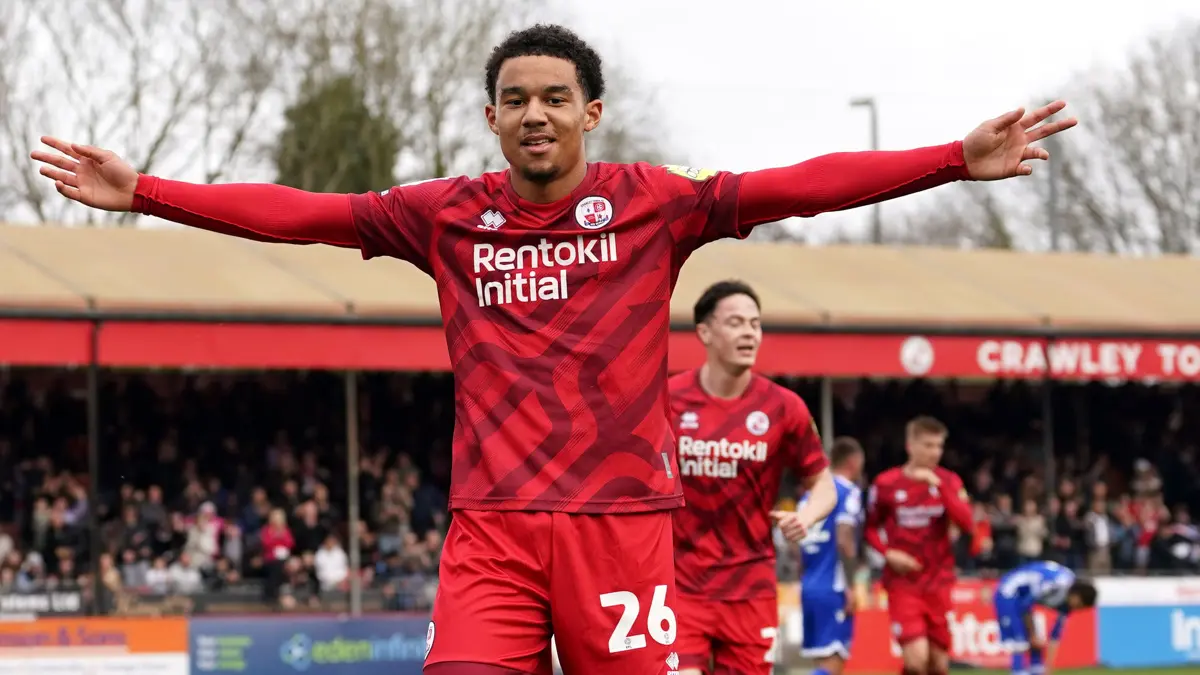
540,114
854,466
733,333
926,449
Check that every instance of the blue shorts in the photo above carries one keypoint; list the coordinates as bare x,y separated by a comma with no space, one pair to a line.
1010,616
827,629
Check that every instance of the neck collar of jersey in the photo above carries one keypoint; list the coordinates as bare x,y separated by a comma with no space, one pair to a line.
550,209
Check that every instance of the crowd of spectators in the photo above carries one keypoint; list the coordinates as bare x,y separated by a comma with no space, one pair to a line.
224,484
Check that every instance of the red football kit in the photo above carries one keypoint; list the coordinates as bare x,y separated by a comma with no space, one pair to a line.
912,516
557,317
732,454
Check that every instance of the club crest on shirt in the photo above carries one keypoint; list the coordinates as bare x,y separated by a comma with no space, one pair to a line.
901,495
689,420
758,423
933,491
690,173
593,213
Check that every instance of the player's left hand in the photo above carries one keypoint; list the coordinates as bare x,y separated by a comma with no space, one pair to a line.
794,529
999,147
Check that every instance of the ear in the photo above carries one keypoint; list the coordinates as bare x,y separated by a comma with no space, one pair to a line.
704,333
592,112
489,111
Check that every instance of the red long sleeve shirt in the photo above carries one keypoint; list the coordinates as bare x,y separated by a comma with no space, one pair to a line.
274,213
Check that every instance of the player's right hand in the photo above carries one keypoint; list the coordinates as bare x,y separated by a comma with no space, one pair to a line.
89,175
925,475
790,524
902,562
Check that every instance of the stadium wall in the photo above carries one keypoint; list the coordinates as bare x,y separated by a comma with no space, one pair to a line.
1141,622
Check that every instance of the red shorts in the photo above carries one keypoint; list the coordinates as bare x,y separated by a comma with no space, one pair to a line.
727,636
602,585
920,613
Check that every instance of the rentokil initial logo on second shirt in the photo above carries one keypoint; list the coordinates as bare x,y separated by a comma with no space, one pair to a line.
717,459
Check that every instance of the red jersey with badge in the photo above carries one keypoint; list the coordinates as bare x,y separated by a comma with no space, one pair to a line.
732,454
912,516
557,317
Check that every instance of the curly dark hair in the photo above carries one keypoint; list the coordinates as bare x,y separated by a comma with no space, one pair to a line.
548,40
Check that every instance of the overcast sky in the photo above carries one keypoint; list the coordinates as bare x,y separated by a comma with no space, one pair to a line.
754,83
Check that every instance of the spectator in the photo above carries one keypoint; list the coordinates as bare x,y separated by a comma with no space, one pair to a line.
1146,482
278,546
1098,535
1031,532
1004,532
158,577
134,570
184,575
331,563
203,537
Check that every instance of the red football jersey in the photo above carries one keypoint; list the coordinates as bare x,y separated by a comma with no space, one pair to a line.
557,317
732,454
915,517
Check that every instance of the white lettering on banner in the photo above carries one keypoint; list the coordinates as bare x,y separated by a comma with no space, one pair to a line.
1185,632
717,459
1087,359
533,273
1179,359
973,636
1134,592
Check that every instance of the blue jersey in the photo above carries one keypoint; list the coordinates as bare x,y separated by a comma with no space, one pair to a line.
1037,583
826,628
822,565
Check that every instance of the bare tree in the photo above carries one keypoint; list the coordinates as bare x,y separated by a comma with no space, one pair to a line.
1131,172
968,215
171,84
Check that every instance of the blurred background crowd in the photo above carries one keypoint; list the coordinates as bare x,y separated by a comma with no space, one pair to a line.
224,491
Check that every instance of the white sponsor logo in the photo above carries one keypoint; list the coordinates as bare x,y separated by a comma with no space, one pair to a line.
593,213
758,423
915,517
689,420
535,272
916,355
492,220
973,636
717,459
1185,632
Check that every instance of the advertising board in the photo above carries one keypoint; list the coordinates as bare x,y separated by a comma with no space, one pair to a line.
387,645
1148,622
94,646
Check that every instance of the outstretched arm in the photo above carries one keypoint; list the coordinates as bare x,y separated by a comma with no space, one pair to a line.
997,149
262,212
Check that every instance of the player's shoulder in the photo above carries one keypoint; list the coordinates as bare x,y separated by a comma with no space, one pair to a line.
948,476
438,192
888,477
683,383
671,176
